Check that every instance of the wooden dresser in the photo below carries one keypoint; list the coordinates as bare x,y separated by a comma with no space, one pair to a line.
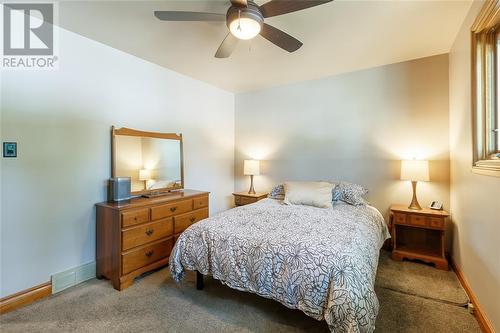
137,236
419,234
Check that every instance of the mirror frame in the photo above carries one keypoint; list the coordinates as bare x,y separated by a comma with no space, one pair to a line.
132,132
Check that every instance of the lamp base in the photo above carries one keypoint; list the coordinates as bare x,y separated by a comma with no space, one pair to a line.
414,202
252,189
414,206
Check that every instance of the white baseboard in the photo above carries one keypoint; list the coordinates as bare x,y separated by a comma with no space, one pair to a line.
72,277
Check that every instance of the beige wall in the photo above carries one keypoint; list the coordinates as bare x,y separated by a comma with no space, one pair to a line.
354,127
61,120
475,199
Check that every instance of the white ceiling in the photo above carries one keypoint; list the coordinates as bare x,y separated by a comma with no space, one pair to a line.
340,36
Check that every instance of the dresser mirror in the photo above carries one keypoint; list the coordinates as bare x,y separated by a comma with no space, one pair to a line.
153,161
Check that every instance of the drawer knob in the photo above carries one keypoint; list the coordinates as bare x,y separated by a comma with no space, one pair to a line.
149,253
135,218
149,232
192,219
173,209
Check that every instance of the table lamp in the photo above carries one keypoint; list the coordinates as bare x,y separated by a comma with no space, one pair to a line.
415,171
251,168
145,175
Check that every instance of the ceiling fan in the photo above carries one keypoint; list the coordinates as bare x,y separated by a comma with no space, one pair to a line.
245,20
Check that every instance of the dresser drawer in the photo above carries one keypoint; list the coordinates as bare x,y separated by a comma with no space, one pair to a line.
183,221
146,255
136,216
171,209
400,218
418,220
200,202
147,233
437,223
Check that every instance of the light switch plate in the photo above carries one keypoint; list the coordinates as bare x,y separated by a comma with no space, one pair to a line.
10,149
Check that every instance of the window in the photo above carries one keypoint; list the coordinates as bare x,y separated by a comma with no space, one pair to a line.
485,39
496,129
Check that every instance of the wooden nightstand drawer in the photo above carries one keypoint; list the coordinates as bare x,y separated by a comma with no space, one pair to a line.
183,221
240,201
134,217
400,218
147,233
168,210
244,198
418,220
435,222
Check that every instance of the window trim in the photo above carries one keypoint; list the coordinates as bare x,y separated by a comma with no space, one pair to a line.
484,95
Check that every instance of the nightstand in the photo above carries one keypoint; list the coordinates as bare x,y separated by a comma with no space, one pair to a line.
419,234
244,198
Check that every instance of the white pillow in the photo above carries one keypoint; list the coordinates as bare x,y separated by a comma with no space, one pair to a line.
317,194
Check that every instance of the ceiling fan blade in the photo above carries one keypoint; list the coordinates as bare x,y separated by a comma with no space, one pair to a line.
239,3
189,16
280,38
280,7
227,46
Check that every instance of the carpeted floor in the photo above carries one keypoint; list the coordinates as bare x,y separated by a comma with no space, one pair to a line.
420,280
156,304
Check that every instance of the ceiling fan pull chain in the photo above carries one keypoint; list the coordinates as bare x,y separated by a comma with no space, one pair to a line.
239,19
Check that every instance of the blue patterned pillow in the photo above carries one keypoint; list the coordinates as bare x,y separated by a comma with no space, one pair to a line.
349,193
336,194
278,192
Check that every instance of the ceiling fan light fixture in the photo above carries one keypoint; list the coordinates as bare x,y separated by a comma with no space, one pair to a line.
244,22
245,28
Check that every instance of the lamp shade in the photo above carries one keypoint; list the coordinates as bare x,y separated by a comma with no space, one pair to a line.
415,170
251,167
144,174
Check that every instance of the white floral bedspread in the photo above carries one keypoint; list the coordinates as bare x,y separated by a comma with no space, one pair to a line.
321,261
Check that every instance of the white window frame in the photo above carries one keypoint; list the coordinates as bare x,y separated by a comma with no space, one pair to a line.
485,100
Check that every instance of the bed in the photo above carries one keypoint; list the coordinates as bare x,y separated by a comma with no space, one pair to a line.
320,261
